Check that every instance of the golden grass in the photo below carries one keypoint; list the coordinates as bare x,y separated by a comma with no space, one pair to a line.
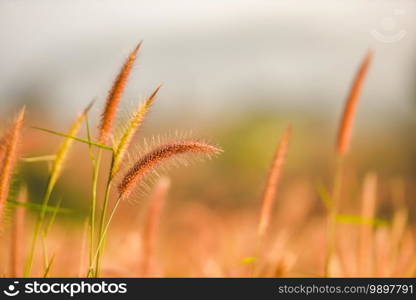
204,241
157,156
342,148
345,128
9,149
56,169
272,182
114,97
132,126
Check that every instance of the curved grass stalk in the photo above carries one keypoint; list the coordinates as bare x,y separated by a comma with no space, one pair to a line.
342,148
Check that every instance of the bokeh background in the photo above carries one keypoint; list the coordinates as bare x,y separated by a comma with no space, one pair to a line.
235,72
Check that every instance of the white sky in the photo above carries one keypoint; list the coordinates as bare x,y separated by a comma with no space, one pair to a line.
210,55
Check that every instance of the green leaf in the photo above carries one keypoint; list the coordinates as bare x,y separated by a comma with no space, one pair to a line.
38,207
358,220
75,138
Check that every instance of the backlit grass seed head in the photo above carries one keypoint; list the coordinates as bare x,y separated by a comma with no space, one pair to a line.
158,156
132,127
114,97
344,133
63,150
10,152
272,182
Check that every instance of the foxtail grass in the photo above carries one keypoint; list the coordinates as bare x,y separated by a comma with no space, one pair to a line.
272,182
342,149
132,126
156,157
114,97
144,165
107,119
269,193
9,149
346,125
56,170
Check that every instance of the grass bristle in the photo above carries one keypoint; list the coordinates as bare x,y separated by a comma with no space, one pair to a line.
272,182
133,125
65,146
114,97
156,157
344,132
10,152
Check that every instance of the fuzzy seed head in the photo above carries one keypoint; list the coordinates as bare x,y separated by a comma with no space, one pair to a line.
272,182
9,149
132,127
114,97
344,133
156,157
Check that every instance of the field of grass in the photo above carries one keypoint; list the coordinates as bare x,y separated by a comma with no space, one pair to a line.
271,196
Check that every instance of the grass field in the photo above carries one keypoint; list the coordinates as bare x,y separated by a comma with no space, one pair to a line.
267,196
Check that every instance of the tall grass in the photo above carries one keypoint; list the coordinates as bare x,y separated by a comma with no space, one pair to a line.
342,147
9,153
215,241
56,170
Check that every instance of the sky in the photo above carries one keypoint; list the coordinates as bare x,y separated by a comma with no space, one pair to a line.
212,57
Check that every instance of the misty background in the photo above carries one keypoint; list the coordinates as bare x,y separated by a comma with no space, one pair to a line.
235,72
214,58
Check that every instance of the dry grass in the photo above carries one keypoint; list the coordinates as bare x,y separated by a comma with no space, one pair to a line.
272,181
9,153
156,157
345,128
114,97
189,238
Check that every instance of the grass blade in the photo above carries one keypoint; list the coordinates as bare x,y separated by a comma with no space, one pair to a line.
359,220
56,170
75,138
